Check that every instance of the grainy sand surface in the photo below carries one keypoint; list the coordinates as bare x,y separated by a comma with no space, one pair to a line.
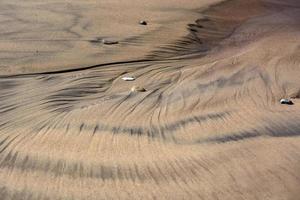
209,125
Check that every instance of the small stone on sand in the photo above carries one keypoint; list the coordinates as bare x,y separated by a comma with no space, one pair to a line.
128,78
286,101
138,89
109,42
143,23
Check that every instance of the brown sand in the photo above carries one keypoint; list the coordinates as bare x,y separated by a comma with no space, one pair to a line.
209,125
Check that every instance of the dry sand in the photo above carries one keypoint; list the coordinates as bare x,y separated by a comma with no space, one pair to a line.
209,125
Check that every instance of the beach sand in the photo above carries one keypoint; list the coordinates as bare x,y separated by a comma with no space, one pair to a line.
205,122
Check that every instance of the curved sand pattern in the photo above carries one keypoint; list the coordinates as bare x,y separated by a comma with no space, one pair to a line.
208,126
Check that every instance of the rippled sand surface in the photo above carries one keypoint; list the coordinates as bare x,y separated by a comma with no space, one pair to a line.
209,124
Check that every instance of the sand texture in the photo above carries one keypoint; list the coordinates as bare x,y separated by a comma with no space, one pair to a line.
202,118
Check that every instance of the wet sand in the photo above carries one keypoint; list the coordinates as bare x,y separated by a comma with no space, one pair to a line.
209,124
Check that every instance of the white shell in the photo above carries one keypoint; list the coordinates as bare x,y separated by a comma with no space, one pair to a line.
128,78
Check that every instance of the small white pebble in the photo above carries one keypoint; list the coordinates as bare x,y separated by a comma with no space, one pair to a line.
286,101
128,78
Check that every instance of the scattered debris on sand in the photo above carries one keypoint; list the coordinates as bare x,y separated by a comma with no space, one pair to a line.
142,22
286,101
138,89
128,78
